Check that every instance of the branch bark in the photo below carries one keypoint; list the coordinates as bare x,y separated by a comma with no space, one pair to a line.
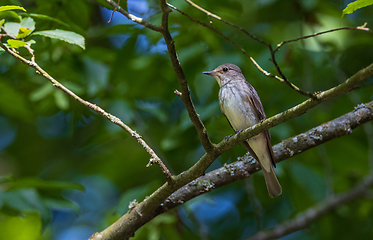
288,148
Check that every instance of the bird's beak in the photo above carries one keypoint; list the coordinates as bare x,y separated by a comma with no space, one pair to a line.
211,73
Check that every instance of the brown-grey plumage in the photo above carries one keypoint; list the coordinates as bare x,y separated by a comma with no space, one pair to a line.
241,105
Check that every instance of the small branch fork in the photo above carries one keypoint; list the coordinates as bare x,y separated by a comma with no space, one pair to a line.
282,78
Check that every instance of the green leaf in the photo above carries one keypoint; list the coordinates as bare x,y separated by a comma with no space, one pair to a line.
25,200
63,35
11,7
2,22
15,43
26,27
356,5
42,92
27,226
7,179
12,28
62,101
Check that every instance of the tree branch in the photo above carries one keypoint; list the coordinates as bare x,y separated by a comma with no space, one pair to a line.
143,212
154,157
362,28
185,92
288,148
282,79
134,18
313,213
349,85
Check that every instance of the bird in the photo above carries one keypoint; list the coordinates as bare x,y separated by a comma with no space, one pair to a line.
241,105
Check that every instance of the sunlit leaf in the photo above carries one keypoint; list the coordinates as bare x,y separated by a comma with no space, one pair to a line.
27,226
63,35
15,43
2,22
352,7
12,28
11,7
26,27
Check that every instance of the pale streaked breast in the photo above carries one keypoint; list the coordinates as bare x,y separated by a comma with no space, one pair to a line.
238,110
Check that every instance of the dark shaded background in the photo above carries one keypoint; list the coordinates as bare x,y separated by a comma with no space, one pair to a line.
126,70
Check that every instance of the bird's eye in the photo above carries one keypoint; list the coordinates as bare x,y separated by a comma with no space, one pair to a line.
225,69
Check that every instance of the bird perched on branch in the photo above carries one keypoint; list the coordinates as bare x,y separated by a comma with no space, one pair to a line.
241,105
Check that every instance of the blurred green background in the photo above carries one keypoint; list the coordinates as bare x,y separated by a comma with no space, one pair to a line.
49,144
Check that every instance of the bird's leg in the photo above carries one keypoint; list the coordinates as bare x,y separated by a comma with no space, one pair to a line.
239,131
228,137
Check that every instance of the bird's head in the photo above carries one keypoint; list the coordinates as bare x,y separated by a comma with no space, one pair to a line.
226,73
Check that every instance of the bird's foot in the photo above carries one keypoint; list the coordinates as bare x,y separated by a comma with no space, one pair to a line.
228,137
239,131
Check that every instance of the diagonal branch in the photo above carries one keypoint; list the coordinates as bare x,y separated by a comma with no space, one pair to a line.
143,212
288,148
282,77
134,18
362,28
313,213
154,158
226,22
349,85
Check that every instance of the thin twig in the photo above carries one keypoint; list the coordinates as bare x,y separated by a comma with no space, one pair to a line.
134,18
226,22
362,28
281,79
126,226
112,14
154,158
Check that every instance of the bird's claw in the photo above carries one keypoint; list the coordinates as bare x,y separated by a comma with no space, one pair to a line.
239,131
228,137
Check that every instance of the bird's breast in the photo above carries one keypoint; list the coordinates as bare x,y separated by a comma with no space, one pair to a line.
235,105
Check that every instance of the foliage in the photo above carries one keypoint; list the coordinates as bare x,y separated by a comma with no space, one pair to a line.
352,7
49,142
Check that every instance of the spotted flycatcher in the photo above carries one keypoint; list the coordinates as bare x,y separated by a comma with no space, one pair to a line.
241,105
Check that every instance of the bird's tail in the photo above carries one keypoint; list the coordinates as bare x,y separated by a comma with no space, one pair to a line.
273,186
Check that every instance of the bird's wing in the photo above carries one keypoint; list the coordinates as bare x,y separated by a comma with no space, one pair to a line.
253,97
